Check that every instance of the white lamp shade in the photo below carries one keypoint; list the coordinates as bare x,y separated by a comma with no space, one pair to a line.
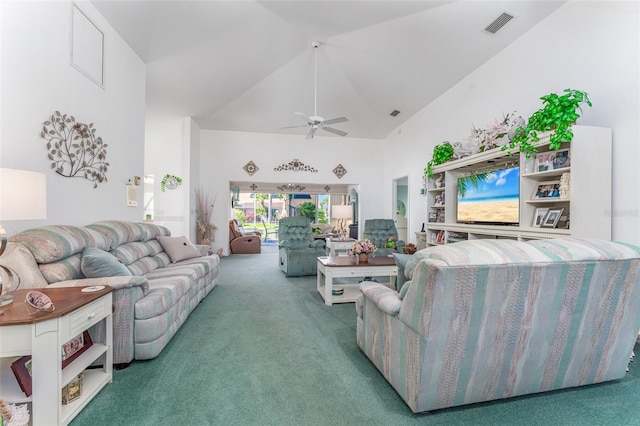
341,212
23,195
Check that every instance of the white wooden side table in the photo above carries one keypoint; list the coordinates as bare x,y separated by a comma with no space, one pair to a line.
42,335
335,245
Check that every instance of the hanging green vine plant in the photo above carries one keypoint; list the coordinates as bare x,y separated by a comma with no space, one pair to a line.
74,149
170,182
558,114
441,154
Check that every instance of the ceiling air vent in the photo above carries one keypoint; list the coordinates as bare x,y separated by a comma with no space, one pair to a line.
500,22
394,113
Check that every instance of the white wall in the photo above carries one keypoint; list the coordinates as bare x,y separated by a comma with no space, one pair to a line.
589,46
37,79
223,154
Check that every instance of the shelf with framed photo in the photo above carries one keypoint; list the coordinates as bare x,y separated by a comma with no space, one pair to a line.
552,218
571,178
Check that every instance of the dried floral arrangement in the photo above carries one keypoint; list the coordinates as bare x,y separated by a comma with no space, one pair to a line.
74,149
205,230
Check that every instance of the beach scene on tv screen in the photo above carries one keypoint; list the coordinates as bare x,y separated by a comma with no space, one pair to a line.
495,199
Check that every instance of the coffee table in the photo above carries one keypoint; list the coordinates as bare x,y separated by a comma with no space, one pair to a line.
347,267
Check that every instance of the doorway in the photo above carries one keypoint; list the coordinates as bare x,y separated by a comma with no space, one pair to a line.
400,207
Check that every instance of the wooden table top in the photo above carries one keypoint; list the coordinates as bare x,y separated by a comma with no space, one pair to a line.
351,261
65,300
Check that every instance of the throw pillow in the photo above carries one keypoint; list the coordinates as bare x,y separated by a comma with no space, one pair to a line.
98,263
179,248
401,260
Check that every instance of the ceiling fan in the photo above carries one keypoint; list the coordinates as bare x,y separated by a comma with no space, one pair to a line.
315,121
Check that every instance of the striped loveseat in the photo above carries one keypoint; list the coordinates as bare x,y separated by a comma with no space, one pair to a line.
487,319
153,295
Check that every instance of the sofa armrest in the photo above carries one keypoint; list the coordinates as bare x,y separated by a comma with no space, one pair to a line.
382,296
113,282
284,244
127,290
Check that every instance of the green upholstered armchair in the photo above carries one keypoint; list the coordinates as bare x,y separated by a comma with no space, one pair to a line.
298,250
378,232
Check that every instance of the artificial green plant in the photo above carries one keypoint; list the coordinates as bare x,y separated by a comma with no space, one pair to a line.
441,154
558,114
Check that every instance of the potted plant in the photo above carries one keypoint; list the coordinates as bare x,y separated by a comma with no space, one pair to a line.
441,154
558,114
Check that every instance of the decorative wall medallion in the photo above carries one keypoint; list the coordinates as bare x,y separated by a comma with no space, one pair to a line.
327,188
291,187
340,171
250,168
253,187
74,149
296,165
170,182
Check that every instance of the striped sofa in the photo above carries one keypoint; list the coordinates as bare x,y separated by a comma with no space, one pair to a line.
481,320
151,304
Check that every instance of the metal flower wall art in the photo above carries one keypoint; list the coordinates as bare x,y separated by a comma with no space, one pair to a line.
296,165
74,149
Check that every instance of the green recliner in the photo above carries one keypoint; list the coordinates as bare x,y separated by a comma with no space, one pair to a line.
378,232
298,251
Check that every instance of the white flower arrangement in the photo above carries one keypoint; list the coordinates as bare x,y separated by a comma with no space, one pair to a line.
363,247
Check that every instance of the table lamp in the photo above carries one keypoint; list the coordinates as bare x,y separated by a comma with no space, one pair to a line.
342,213
23,196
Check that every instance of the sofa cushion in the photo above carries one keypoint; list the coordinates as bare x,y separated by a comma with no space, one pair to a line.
120,232
98,263
52,243
22,264
179,248
63,269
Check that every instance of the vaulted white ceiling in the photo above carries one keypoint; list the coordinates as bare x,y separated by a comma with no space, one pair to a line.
249,65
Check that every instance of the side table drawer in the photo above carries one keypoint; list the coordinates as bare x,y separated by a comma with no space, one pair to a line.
87,316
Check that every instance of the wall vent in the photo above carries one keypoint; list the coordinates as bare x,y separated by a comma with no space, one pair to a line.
499,22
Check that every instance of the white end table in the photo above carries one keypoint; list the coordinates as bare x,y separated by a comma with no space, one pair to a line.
42,335
335,245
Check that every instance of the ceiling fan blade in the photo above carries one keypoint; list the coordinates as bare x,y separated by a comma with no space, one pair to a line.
336,131
293,127
336,120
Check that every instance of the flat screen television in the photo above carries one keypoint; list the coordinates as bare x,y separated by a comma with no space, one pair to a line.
490,197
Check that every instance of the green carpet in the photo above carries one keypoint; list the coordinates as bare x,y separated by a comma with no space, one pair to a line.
263,349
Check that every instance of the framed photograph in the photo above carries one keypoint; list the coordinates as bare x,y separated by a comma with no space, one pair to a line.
438,201
552,218
75,347
544,190
73,390
544,161
433,217
562,159
539,215
22,370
